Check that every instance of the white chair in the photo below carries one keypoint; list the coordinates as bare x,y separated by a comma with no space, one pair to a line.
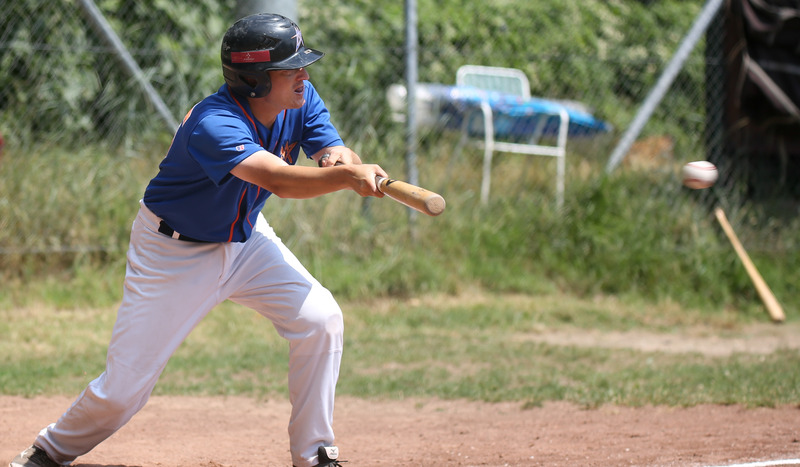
514,82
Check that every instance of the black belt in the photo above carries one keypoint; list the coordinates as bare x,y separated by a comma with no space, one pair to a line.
170,232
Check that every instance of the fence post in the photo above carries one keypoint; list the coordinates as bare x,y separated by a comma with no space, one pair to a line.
104,29
664,82
411,96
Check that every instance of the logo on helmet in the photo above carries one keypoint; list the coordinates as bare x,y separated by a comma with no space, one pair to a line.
298,36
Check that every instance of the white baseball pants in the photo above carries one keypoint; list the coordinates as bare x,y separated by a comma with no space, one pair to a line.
170,285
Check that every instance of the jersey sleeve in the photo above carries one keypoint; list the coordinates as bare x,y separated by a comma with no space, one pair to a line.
220,142
318,131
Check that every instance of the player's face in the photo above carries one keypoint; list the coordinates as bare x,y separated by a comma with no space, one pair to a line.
288,87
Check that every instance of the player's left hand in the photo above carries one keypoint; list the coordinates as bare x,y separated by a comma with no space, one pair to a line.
328,157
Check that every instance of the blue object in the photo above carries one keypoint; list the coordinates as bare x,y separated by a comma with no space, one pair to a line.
514,117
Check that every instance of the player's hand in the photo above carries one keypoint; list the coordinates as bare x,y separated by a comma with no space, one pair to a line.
337,155
364,179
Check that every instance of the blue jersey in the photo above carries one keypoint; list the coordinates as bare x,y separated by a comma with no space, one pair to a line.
194,191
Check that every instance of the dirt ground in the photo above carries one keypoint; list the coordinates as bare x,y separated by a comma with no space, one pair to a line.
215,432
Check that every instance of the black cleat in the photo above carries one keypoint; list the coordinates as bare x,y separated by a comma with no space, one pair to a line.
328,456
35,456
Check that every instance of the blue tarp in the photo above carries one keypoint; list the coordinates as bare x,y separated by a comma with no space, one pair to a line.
513,116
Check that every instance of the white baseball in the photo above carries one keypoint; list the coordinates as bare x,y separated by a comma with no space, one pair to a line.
699,174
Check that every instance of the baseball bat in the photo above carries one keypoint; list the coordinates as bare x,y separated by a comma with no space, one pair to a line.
424,201
420,199
767,297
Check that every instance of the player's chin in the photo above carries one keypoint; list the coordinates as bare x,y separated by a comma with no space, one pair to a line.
296,103
299,102
298,99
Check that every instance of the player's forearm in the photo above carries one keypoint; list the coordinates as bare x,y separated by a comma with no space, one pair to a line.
294,181
287,181
301,182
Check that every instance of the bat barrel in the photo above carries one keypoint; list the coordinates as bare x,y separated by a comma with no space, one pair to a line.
434,205
412,196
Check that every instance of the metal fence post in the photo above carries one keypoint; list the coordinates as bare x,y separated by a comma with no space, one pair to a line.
107,33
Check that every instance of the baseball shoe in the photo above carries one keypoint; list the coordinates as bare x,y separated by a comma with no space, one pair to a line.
328,456
34,456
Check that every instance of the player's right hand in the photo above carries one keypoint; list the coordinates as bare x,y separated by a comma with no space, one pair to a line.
364,179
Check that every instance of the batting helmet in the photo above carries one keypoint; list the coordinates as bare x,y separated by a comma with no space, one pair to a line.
258,43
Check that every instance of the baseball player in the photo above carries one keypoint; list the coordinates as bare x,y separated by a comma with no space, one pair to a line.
199,238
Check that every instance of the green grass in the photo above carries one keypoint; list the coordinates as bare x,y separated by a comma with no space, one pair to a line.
630,252
480,347
637,234
483,349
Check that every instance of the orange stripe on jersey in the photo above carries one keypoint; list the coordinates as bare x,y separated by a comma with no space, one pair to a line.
238,210
188,114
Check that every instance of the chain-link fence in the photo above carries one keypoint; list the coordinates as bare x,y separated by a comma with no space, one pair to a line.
67,87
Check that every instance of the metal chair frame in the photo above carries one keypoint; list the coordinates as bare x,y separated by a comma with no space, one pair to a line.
511,81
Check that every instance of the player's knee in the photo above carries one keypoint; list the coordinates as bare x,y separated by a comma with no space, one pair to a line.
323,316
330,314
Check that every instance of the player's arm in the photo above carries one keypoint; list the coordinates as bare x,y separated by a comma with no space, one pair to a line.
297,181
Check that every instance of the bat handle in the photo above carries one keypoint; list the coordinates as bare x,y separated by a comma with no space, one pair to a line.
324,157
381,182
378,179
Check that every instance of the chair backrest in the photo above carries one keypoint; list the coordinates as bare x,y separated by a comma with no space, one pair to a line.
505,80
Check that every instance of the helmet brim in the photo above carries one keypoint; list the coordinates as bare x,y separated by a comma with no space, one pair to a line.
302,58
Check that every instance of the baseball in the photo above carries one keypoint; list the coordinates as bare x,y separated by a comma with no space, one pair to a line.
699,174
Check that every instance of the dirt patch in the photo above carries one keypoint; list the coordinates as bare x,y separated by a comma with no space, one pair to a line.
214,432
232,431
758,339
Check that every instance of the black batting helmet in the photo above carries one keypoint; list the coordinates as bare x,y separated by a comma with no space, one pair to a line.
258,43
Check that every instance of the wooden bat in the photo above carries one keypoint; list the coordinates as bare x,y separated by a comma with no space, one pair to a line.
424,201
420,199
770,302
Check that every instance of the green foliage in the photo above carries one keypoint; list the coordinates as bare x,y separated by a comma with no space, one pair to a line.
564,47
58,75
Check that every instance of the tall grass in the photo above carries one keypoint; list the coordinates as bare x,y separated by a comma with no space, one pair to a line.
65,216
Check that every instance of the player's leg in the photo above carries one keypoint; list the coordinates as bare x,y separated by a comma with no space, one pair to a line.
170,286
274,283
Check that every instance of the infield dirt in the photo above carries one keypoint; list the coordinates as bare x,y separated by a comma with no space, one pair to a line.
238,431
214,432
